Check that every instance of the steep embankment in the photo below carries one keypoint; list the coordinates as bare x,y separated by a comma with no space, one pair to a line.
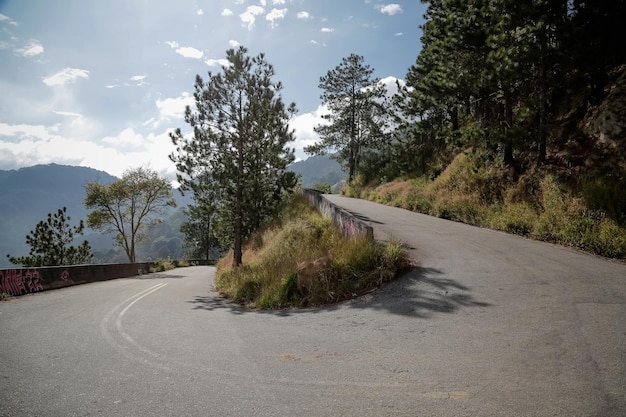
577,198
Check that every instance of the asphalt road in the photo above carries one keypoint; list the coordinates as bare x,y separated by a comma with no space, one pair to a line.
486,325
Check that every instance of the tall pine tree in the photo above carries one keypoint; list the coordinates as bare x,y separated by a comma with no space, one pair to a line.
356,119
238,150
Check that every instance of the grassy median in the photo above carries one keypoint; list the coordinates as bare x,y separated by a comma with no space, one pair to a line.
303,260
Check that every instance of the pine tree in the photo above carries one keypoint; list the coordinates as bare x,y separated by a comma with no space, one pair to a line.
357,118
51,243
239,146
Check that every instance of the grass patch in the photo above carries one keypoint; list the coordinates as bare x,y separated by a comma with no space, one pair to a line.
303,260
161,265
4,296
590,215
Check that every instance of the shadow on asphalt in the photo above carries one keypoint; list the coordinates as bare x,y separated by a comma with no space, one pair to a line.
158,275
363,217
419,293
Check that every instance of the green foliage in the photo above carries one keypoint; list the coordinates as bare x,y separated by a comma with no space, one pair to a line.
51,243
199,229
538,205
357,116
607,194
161,265
270,275
128,206
495,75
238,154
322,187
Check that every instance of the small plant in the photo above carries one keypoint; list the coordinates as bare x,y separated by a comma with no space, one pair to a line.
322,187
4,296
161,265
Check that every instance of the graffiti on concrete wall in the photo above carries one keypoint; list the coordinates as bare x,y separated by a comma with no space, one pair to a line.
22,281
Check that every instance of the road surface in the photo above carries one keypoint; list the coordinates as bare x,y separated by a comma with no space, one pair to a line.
486,325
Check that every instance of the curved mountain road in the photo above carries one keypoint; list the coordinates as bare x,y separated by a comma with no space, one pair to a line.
486,325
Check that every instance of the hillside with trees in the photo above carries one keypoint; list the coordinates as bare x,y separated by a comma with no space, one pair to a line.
513,117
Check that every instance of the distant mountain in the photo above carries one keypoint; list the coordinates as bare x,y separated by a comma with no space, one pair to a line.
29,194
318,169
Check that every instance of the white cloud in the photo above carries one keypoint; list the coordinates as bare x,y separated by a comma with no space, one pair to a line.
215,62
4,18
314,42
304,129
37,144
127,139
274,15
30,131
398,34
233,43
64,76
278,2
200,12
227,12
389,9
186,51
328,30
174,108
189,52
69,114
249,16
32,49
139,79
304,15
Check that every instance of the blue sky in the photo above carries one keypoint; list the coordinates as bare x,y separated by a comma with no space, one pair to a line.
102,83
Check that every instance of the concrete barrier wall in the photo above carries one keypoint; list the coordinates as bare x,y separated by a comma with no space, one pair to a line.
349,224
18,281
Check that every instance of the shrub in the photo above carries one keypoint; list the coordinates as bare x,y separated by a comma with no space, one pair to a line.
161,265
268,278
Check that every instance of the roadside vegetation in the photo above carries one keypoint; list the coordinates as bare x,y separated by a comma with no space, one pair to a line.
587,213
303,260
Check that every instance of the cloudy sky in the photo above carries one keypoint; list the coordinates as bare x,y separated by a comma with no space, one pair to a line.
101,83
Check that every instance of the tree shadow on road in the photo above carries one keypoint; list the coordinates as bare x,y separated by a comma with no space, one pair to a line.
420,293
159,275
363,217
215,301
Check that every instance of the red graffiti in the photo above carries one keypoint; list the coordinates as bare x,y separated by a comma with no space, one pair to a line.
65,276
13,282
31,278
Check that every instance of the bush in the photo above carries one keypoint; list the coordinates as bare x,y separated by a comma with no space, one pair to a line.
161,265
269,276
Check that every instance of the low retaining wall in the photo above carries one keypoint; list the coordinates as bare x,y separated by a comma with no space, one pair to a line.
350,225
18,281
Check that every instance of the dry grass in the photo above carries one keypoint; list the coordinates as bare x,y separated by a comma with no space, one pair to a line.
537,205
268,277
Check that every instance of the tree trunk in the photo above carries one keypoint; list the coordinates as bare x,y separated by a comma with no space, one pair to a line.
543,105
237,250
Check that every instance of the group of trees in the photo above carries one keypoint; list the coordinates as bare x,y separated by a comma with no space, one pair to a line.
494,75
491,75
125,208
